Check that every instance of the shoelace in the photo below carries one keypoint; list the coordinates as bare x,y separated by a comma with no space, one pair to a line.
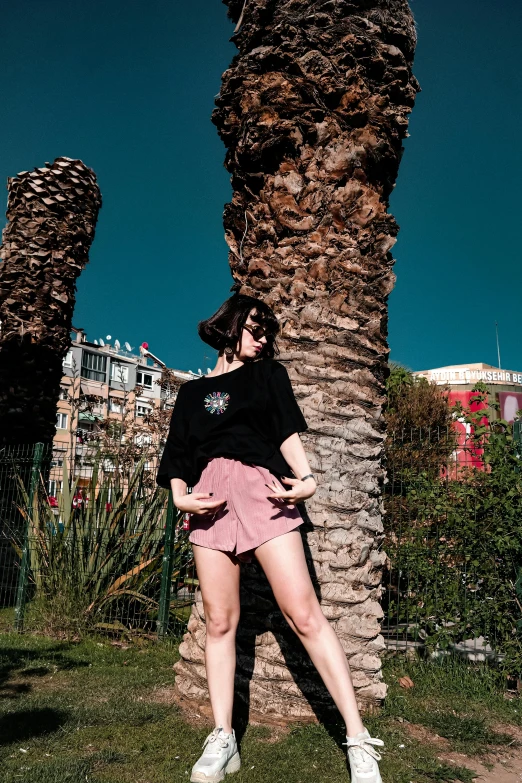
212,737
362,746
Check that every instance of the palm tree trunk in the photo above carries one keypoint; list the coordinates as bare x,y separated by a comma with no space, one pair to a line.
313,111
52,213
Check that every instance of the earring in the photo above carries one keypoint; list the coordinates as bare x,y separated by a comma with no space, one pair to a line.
229,351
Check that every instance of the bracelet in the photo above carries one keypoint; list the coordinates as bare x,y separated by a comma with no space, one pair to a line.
308,475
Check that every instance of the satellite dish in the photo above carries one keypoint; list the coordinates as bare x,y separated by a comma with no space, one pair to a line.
101,342
127,347
208,369
117,345
199,371
108,337
96,342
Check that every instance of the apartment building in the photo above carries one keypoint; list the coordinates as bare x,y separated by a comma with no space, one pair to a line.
103,381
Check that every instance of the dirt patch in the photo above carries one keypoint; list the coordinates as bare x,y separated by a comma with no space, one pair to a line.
507,728
427,737
502,765
198,715
161,696
505,770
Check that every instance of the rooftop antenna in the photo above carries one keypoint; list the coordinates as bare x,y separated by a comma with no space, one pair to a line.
498,346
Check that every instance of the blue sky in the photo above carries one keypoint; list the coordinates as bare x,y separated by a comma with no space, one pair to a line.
128,87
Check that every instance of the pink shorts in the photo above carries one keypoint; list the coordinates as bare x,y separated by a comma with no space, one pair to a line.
249,517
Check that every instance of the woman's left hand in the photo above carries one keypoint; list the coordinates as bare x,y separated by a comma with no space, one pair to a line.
301,490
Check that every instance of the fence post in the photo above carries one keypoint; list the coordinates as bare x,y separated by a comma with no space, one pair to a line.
21,589
517,436
166,571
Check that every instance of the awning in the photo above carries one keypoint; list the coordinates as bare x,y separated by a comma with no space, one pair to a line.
83,416
91,388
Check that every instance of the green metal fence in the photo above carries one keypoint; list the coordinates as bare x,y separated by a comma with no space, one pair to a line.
89,542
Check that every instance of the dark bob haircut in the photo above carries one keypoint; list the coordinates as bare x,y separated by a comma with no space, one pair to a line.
225,328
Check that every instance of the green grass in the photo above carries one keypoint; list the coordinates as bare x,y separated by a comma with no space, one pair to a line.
71,712
7,616
455,701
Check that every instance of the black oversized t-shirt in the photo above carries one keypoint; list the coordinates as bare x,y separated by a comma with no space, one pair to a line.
244,414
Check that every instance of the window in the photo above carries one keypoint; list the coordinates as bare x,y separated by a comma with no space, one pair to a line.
115,405
108,465
61,421
53,487
142,439
64,393
68,358
86,426
144,379
115,430
142,410
119,372
94,366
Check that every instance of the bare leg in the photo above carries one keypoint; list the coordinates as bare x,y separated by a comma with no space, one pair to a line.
284,563
219,582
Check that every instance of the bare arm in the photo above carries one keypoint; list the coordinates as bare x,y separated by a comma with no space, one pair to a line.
193,502
294,454
179,489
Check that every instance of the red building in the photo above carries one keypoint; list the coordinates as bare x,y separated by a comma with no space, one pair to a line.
504,387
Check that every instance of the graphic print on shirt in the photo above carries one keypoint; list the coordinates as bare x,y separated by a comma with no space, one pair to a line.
217,402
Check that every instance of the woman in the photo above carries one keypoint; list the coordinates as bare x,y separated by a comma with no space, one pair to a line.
234,439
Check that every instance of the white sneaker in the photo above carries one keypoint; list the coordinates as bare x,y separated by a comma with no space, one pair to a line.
363,758
219,758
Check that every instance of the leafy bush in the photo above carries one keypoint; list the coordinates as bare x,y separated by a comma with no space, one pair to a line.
455,546
97,555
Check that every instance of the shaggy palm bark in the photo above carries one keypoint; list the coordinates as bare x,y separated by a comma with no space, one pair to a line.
313,111
52,213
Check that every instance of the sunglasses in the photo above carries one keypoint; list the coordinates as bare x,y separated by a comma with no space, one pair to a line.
256,330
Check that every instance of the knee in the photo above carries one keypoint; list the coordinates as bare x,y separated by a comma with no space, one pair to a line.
220,623
306,620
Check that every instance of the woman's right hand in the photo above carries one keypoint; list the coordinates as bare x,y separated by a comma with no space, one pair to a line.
197,503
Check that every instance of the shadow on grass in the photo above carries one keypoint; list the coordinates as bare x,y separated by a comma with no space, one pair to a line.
16,661
27,724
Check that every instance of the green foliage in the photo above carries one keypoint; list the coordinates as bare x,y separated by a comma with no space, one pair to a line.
418,424
399,379
101,558
456,543
464,728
